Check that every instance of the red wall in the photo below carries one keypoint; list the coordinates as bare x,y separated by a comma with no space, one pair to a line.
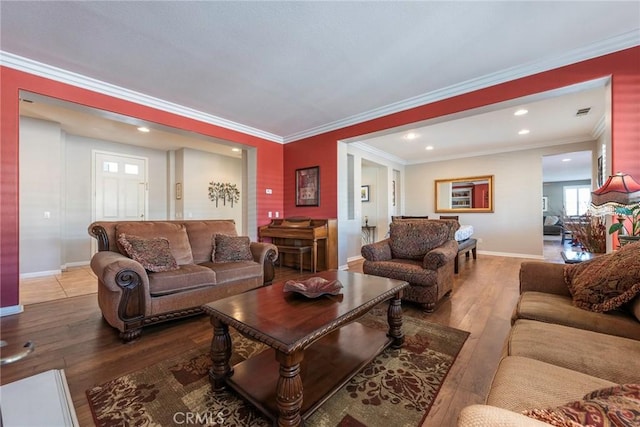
270,157
623,67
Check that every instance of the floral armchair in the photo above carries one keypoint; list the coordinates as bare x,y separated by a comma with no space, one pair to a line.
421,252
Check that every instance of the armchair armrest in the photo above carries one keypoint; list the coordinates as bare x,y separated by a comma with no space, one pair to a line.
437,257
265,254
543,277
378,251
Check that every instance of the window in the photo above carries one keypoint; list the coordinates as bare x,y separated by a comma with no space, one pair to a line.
576,199
110,167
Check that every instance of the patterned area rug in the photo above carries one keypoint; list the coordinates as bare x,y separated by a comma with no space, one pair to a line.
397,388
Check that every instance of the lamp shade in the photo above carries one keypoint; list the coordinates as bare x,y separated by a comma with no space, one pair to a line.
619,190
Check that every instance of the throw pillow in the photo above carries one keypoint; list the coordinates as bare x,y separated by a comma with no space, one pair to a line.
231,248
606,282
612,406
154,254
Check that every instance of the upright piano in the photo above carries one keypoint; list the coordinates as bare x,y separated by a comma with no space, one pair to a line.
320,234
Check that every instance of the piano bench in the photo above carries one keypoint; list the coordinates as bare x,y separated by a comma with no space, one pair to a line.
300,250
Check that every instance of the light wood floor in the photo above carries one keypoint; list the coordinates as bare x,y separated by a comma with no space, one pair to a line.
70,334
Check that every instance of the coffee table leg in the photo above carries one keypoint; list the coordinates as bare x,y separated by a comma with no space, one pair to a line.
394,317
220,355
289,389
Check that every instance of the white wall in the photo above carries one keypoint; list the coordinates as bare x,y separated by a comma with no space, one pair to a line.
41,189
350,231
56,176
514,228
202,168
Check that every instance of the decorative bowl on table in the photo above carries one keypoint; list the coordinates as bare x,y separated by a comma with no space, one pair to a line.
313,287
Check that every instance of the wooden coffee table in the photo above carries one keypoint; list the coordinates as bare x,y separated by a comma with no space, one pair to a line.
317,346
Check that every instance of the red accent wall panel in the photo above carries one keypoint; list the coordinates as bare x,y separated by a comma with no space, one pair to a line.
623,67
269,158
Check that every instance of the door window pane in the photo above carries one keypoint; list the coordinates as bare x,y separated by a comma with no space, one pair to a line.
110,167
130,169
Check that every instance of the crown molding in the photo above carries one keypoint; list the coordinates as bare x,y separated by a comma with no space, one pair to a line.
63,76
376,152
607,46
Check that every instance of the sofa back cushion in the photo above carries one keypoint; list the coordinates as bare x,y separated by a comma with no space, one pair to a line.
175,233
202,233
413,239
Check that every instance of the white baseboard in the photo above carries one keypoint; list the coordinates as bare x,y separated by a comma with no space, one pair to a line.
13,309
75,264
40,274
355,258
511,255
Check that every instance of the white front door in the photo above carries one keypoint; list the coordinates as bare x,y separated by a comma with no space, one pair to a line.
120,187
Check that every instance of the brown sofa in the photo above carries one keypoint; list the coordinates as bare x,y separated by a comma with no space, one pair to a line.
130,296
419,251
557,353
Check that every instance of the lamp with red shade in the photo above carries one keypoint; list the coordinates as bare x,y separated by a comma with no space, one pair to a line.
620,194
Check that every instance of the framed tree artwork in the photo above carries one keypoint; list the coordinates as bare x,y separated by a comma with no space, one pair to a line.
308,186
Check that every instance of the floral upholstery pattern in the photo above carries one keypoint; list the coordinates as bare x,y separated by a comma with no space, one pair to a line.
606,282
413,239
613,406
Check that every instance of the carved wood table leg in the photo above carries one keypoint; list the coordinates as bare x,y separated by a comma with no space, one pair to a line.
220,355
394,317
289,389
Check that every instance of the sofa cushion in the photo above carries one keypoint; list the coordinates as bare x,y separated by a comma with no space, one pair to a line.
176,233
522,383
606,282
559,309
413,239
551,220
153,254
612,406
600,355
401,269
231,248
233,271
201,233
186,277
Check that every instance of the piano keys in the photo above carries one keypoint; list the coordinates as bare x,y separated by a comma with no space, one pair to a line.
320,234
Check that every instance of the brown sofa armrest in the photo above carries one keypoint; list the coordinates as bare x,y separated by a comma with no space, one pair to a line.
437,257
378,251
486,415
126,297
543,277
265,254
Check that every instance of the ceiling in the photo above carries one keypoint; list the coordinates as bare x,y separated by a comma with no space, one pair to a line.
287,70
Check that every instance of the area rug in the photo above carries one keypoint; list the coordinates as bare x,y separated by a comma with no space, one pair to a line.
397,388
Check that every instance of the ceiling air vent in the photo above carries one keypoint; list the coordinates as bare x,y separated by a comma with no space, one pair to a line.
583,112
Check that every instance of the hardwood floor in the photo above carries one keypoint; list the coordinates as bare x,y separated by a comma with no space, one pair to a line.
70,334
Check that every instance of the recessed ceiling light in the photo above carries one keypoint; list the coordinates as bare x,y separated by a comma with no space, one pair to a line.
144,129
411,135
566,160
237,150
429,147
524,132
521,112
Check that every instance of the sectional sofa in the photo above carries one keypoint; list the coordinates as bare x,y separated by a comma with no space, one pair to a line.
571,357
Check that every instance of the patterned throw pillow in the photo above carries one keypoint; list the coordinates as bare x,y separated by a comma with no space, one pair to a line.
231,248
612,406
606,282
154,254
